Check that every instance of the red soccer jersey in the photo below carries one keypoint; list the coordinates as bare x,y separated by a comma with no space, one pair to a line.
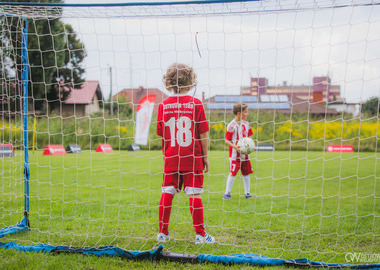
236,131
181,119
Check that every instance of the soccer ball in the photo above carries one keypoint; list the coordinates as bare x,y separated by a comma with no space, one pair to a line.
247,145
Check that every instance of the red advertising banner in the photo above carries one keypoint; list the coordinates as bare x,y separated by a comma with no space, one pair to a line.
340,148
6,150
104,148
8,146
54,150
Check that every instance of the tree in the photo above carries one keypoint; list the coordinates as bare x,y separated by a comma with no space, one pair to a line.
371,106
121,106
55,54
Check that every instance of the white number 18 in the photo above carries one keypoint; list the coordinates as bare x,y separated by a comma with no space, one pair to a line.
183,134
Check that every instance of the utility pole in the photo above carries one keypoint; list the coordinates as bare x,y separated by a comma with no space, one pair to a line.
111,101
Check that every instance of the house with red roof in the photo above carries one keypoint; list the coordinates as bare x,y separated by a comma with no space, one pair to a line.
135,95
83,101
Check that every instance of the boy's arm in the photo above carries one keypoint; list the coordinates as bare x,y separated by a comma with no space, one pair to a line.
229,143
159,121
229,136
204,145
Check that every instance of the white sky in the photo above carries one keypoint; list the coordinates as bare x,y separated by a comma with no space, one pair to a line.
291,46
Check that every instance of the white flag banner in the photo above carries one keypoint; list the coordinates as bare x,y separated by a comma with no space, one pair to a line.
143,119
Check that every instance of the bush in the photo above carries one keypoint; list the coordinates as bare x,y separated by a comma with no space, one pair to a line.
297,132
371,106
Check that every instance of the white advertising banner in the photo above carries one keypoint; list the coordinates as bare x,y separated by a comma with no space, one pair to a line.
143,119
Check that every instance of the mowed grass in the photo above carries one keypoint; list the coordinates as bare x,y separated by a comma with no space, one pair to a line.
306,204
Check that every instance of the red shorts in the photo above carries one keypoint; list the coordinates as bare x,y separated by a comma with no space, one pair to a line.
244,166
192,182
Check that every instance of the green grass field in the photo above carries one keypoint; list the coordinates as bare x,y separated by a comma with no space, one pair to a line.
306,204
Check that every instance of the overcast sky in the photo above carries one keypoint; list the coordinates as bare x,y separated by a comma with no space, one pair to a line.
289,46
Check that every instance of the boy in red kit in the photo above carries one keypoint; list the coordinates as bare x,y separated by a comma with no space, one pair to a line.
236,129
182,124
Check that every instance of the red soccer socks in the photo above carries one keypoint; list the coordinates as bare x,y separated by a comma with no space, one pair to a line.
196,210
164,212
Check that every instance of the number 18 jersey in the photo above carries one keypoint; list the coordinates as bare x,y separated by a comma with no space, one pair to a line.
181,119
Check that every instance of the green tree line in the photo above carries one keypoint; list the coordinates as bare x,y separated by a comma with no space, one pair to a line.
55,55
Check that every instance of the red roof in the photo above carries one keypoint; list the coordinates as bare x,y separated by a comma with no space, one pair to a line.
84,95
135,95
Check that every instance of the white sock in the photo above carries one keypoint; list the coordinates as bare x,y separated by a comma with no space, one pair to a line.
247,183
230,182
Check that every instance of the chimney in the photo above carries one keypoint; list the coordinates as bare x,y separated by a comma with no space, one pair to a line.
318,97
259,86
322,85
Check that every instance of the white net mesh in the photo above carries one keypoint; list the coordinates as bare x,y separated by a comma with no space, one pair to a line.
305,68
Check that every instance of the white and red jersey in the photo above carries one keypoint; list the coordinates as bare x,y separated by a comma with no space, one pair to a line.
181,119
235,131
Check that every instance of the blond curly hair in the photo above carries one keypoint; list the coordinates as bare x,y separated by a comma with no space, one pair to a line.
179,77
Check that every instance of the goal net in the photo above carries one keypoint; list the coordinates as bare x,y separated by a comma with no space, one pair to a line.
74,77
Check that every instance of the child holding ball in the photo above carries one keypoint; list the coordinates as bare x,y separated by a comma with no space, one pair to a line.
238,128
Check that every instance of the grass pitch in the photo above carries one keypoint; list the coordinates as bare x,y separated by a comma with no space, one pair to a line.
305,204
